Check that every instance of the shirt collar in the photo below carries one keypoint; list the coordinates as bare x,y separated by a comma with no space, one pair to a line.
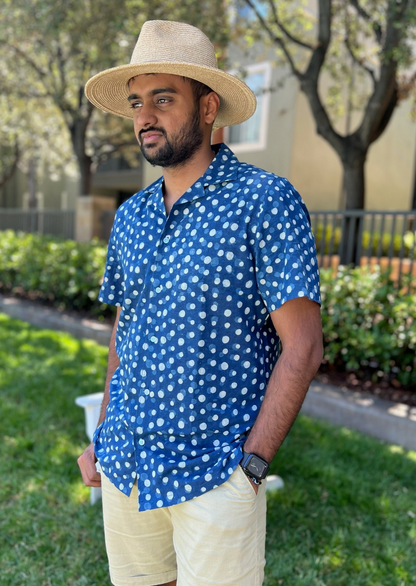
223,168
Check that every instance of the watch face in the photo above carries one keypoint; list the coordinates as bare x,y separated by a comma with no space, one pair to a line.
256,466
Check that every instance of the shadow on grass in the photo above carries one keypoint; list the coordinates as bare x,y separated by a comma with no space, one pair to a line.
346,515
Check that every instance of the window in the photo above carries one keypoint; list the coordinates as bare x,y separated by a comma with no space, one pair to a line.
251,135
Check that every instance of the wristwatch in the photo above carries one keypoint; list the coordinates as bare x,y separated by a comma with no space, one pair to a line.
254,467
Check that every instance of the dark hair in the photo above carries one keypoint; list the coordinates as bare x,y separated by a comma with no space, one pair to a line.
199,89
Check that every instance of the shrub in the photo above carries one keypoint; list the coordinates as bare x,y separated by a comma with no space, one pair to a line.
368,325
62,272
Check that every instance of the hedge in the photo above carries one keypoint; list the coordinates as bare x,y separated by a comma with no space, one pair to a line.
369,326
61,272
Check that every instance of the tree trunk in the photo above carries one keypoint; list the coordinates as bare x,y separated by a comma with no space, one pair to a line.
353,193
32,183
78,130
353,184
11,169
84,164
413,202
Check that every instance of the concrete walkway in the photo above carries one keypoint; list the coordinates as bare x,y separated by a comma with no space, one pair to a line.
46,317
394,423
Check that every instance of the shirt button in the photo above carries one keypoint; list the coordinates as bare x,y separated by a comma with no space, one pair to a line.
153,339
141,442
166,239
158,289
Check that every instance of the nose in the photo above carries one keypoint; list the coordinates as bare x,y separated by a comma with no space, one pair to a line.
145,116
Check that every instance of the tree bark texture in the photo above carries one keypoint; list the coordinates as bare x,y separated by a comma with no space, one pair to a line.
78,129
354,192
353,183
11,169
32,183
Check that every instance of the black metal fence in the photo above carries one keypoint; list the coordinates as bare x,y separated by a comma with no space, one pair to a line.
355,237
359,237
54,222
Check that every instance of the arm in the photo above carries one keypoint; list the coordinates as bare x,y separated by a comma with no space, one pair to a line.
87,460
298,324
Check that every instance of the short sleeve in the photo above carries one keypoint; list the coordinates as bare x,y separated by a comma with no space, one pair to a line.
113,286
284,248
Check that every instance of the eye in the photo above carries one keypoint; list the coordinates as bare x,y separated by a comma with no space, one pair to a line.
135,105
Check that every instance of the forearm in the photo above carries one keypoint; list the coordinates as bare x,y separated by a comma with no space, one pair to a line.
288,385
112,365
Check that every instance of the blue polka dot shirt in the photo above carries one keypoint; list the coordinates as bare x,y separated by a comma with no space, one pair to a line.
195,339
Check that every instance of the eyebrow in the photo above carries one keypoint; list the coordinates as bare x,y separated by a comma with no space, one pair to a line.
155,92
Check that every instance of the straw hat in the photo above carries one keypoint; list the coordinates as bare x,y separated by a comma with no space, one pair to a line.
179,49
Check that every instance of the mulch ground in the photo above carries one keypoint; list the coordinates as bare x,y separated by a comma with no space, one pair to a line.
388,390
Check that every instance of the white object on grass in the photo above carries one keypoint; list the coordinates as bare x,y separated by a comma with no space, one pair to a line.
92,407
274,482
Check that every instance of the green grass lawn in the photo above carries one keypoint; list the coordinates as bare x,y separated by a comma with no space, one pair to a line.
345,517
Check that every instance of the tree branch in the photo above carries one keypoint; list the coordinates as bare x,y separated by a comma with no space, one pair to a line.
385,89
61,67
284,30
100,156
42,74
26,94
276,39
376,26
358,61
324,39
310,79
387,114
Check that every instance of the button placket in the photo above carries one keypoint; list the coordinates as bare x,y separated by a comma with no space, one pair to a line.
163,240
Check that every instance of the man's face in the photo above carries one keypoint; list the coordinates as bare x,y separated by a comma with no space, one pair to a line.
166,119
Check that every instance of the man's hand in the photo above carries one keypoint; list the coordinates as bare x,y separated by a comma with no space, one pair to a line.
86,463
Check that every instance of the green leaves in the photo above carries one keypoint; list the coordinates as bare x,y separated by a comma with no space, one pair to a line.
62,272
369,326
48,51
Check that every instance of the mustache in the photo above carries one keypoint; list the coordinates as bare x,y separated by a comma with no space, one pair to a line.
149,129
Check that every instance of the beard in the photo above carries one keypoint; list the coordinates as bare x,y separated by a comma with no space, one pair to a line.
179,147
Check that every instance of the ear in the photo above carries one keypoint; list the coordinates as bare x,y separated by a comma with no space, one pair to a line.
210,105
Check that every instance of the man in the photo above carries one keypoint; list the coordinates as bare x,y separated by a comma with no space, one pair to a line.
211,268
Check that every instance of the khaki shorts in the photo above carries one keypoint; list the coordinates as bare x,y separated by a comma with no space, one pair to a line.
216,538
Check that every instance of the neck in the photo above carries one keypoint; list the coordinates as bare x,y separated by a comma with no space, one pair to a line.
178,179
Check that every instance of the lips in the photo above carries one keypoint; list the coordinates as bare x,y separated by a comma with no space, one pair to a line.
150,136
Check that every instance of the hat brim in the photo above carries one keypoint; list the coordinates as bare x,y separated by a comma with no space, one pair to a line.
108,90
